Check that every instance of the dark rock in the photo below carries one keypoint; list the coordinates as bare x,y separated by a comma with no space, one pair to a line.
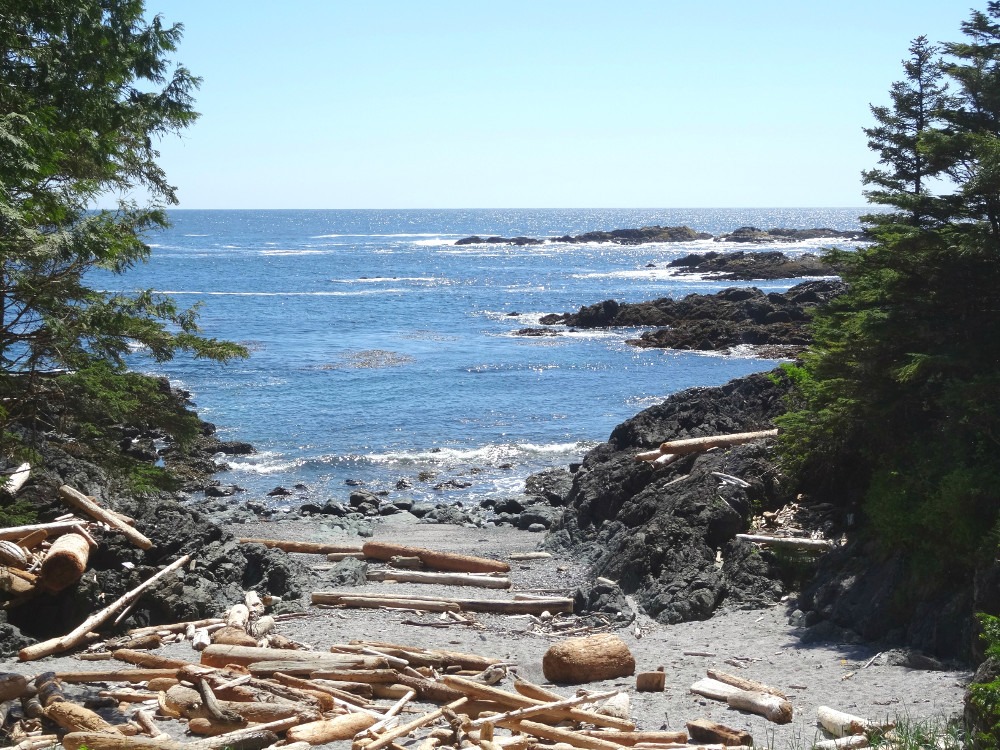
509,505
539,515
658,536
388,509
403,503
349,572
447,514
235,448
453,484
554,485
363,497
279,492
422,509
404,484
755,235
222,490
535,332
603,597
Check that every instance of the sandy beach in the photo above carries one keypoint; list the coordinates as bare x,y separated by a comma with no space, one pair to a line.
755,644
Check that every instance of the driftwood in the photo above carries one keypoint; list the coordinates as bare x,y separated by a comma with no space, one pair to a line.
547,732
788,541
330,730
630,739
190,703
502,606
651,682
384,676
64,563
16,533
514,700
526,556
433,559
15,480
703,730
67,715
231,635
145,659
117,675
699,445
744,684
771,707
77,635
519,714
12,686
221,656
83,503
389,737
843,743
709,688
446,579
418,656
249,740
591,659
310,548
841,724
177,627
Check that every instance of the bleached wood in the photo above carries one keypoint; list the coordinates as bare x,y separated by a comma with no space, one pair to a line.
771,707
548,732
330,730
519,714
709,688
16,480
16,533
220,656
83,503
445,579
630,739
788,541
698,445
841,724
744,684
503,606
390,736
78,634
843,743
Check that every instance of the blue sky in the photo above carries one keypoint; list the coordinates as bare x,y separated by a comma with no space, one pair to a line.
547,103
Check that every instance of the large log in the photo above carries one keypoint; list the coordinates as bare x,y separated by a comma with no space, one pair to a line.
310,548
65,563
16,533
744,684
146,659
790,542
74,718
771,707
709,688
629,739
117,675
384,676
190,703
434,559
220,656
590,659
699,445
330,730
78,634
438,658
499,606
81,502
445,579
841,724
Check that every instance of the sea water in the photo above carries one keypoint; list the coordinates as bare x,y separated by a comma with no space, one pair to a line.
382,354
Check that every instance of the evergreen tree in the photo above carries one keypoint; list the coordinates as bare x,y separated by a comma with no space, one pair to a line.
86,92
899,398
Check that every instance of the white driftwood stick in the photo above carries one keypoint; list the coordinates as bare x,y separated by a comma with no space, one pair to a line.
771,707
81,502
16,480
446,579
843,743
841,724
527,711
55,645
392,735
390,715
16,533
788,541
699,445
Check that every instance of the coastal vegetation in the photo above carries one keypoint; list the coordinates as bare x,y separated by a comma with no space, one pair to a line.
88,89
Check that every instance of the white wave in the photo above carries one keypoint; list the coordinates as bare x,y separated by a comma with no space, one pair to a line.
266,462
294,252
197,235
395,234
360,293
384,279
434,243
579,445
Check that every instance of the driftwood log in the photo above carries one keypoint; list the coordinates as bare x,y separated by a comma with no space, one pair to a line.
841,724
389,737
771,707
502,606
703,730
78,634
790,542
65,562
330,730
16,480
311,548
744,684
445,579
702,444
53,528
591,659
79,501
630,739
221,656
449,561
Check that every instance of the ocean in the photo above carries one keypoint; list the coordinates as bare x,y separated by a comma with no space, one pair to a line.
385,356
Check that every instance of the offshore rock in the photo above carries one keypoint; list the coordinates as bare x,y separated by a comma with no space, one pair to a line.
738,316
741,266
657,532
755,235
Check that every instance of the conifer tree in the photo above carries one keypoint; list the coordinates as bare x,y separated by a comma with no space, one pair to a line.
899,404
87,89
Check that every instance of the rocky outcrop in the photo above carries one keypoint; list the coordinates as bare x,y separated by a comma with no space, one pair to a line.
638,236
657,531
741,266
477,240
755,235
714,322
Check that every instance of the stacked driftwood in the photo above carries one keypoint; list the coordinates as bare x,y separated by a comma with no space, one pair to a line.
50,557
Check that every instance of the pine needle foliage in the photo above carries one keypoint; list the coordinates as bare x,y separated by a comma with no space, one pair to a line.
897,404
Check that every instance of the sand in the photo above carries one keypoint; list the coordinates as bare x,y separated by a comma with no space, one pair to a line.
754,644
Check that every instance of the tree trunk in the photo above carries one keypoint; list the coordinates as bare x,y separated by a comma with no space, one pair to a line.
220,656
445,579
81,502
433,559
311,548
699,445
703,730
771,707
65,563
591,659
330,730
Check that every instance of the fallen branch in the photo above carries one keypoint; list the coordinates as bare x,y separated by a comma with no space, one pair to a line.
503,606
78,634
702,444
788,541
16,479
81,502
744,684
